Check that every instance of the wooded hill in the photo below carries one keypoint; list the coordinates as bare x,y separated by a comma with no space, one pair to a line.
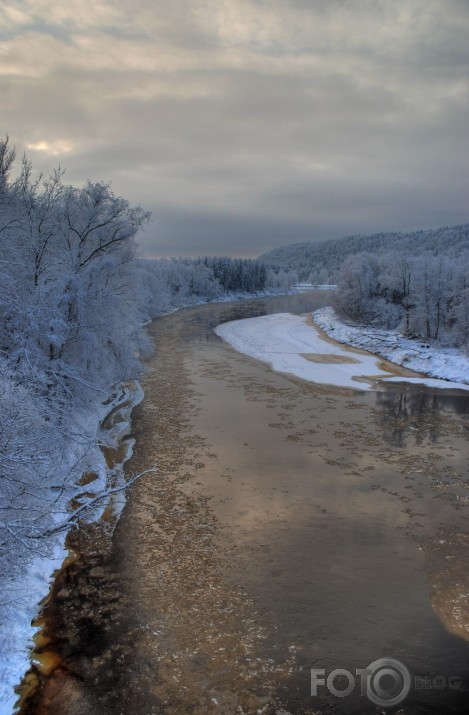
322,261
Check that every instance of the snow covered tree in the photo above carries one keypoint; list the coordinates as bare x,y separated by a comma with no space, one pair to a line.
426,295
359,286
70,331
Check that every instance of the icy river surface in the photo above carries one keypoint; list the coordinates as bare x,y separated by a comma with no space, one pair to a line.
290,527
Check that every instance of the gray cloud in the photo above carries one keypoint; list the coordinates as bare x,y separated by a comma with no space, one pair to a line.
247,124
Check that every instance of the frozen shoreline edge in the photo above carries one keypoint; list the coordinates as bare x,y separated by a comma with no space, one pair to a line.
17,641
295,345
439,363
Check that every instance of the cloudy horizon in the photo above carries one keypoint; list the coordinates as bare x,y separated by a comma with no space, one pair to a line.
245,124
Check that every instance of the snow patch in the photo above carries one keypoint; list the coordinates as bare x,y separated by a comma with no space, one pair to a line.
17,633
445,364
305,287
290,344
21,597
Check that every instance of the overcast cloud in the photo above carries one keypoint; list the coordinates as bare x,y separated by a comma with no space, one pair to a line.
246,124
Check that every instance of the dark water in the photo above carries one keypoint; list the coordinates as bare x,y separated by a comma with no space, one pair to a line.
291,526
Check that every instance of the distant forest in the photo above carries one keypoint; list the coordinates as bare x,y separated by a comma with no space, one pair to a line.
322,261
417,282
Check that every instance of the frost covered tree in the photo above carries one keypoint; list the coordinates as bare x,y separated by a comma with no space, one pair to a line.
175,282
69,333
359,285
424,295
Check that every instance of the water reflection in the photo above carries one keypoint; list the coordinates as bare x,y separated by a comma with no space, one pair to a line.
206,317
413,416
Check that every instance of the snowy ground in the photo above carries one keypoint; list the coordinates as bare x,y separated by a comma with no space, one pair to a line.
292,344
305,287
17,633
21,595
429,358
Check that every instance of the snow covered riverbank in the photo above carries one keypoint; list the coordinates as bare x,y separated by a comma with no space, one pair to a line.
22,593
429,358
292,344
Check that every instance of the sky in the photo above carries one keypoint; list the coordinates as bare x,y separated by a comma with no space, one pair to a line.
243,125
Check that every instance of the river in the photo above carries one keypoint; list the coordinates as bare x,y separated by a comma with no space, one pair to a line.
290,526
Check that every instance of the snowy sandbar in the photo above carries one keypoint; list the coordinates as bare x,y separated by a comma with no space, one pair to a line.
430,358
293,344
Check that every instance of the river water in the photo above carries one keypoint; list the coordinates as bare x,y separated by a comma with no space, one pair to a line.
290,526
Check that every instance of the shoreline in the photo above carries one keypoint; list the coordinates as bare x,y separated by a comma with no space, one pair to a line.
298,346
23,633
424,357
